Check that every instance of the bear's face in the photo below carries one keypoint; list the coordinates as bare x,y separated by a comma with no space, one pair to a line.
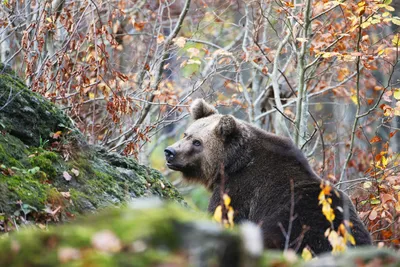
200,153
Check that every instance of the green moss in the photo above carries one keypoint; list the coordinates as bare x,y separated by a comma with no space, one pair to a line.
26,188
45,161
11,151
82,201
82,164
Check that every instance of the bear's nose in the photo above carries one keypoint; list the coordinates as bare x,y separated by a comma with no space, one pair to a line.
169,153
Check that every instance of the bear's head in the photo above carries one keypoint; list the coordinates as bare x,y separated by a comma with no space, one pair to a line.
211,141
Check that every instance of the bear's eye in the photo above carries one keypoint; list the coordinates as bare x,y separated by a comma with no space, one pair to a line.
196,143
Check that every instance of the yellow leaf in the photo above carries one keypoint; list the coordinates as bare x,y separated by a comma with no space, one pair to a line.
389,8
384,161
231,212
56,135
193,52
396,40
397,207
328,212
351,239
367,185
365,24
375,21
396,93
227,200
302,40
396,20
337,242
194,61
327,55
354,99
218,214
306,254
91,95
160,39
180,41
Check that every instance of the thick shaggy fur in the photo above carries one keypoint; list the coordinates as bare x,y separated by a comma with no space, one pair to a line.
259,168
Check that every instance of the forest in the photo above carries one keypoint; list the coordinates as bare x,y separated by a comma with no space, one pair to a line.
97,98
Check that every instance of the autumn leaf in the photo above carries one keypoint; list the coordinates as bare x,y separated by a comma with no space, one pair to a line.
372,216
106,241
354,99
396,20
67,176
75,172
193,61
375,139
67,254
337,242
56,135
302,40
139,26
160,39
218,214
193,52
396,40
396,93
306,254
180,42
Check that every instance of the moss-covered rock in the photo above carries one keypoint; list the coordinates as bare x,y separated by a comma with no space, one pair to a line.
27,116
150,233
57,177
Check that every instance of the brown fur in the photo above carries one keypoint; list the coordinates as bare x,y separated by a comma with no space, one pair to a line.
259,168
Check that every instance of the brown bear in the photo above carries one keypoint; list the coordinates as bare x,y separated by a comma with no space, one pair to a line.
267,177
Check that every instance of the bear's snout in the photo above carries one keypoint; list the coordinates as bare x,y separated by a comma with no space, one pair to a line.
169,153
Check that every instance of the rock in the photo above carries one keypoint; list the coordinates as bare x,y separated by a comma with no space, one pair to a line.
57,178
146,234
368,256
152,233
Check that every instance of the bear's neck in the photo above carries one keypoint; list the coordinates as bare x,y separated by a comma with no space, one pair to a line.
262,159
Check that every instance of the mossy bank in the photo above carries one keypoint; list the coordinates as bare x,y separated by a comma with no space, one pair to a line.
48,170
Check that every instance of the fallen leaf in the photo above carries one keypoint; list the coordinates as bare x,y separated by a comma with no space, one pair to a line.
106,241
372,216
66,194
67,176
68,254
75,172
56,135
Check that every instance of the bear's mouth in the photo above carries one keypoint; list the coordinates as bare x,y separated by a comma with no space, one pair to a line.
173,166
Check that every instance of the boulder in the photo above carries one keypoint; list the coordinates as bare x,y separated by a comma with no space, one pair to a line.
48,172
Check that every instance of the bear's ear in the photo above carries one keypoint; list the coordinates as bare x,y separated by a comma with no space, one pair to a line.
200,109
226,126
